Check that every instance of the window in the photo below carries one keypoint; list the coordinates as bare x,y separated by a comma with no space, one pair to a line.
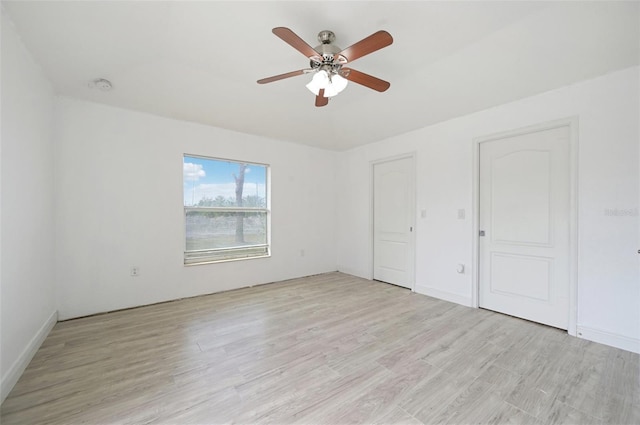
226,210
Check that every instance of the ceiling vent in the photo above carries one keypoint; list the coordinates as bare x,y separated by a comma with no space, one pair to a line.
101,84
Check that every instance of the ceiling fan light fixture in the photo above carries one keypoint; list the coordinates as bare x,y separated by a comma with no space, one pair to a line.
319,81
332,85
339,83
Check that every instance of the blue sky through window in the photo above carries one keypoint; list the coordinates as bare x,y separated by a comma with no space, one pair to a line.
209,178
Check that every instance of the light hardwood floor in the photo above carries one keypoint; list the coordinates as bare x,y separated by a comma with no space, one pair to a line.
331,349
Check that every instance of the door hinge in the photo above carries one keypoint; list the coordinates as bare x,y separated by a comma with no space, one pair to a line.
481,232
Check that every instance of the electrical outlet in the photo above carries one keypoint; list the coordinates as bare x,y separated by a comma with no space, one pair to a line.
135,271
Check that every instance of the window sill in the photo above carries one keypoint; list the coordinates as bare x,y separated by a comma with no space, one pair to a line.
228,260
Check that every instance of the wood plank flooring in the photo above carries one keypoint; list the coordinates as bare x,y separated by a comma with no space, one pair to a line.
327,349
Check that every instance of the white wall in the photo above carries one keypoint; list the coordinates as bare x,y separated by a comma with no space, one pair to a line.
119,190
27,266
608,272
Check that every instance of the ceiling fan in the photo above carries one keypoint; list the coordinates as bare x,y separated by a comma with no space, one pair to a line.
327,63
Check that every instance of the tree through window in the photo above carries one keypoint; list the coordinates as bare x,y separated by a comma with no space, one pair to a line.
225,209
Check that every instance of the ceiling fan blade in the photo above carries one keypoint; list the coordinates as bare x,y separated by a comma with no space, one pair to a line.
297,43
375,41
321,100
283,76
365,79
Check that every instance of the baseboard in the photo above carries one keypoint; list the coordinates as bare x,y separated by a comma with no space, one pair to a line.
353,272
609,338
17,368
444,295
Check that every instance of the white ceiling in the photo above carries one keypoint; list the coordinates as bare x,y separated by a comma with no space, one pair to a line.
199,61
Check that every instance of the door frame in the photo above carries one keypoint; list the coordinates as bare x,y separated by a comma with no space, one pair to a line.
572,123
412,207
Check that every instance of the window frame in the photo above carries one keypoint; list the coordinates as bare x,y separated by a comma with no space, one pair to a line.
265,248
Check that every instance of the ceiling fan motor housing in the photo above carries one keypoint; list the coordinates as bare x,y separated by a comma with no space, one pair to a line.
328,51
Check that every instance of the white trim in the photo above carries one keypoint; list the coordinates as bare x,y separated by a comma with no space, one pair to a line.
444,295
215,158
573,225
609,338
17,368
572,123
372,164
353,272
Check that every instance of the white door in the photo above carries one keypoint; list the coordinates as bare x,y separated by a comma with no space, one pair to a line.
393,200
524,214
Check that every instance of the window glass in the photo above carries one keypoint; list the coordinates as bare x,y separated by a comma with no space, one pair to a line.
225,209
